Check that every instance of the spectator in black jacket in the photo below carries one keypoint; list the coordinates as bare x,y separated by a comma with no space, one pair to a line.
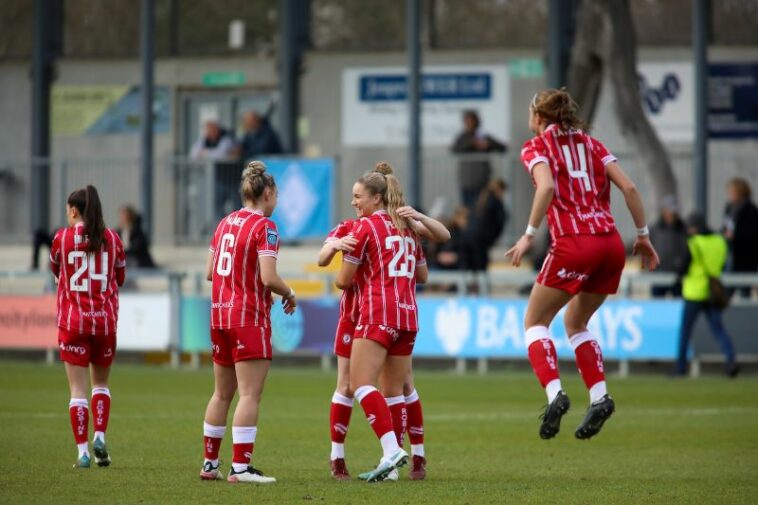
741,229
474,169
259,137
669,234
134,238
488,221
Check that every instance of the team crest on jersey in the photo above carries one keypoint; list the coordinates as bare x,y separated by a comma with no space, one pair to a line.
346,338
272,237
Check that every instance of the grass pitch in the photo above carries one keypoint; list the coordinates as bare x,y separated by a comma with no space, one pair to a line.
670,441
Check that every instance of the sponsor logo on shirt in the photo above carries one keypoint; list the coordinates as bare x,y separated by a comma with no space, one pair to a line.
406,306
74,349
223,305
94,313
591,215
564,274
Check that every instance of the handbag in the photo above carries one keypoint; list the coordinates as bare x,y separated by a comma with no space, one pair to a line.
718,297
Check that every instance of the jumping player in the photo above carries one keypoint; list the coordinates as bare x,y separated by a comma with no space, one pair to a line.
242,267
89,265
406,406
572,173
385,265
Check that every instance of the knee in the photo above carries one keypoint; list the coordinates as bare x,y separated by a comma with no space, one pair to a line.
225,395
573,329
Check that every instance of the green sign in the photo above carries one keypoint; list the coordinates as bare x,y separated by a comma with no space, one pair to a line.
224,79
526,68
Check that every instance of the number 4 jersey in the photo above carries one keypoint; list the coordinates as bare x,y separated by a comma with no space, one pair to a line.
386,276
239,297
581,204
87,281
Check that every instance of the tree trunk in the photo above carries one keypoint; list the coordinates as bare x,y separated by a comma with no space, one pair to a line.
606,40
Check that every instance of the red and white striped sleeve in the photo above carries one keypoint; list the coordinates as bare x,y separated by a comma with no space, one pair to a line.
341,230
533,152
602,153
267,241
360,232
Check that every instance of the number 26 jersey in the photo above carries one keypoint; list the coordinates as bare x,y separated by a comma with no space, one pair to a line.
239,297
386,276
581,203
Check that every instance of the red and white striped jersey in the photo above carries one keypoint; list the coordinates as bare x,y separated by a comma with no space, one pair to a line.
581,204
349,299
87,281
239,297
386,277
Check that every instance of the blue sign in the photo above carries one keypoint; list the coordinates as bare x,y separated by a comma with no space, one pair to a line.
125,116
481,327
384,88
306,197
733,100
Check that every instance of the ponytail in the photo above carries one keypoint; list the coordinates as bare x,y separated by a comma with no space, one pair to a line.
254,181
556,106
87,202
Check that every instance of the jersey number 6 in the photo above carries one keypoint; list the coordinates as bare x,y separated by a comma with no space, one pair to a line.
403,248
224,266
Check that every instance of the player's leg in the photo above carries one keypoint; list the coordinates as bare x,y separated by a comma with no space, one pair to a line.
78,409
101,411
396,402
415,428
589,361
366,362
716,323
689,316
339,418
251,377
544,303
214,422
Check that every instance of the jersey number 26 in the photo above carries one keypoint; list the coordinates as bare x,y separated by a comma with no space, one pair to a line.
403,262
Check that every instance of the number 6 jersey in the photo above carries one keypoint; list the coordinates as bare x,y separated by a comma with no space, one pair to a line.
239,297
581,203
87,281
386,276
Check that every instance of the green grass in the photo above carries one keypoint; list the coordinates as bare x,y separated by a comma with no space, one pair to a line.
670,441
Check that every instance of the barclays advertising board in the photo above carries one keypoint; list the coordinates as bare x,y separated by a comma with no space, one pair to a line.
476,327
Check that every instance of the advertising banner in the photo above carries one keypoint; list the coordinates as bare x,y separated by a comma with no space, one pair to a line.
143,322
733,100
28,322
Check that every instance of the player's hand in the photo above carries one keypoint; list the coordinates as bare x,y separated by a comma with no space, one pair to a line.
346,244
408,212
517,251
643,247
289,303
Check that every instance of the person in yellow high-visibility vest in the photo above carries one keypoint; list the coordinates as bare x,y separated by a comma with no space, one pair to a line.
708,253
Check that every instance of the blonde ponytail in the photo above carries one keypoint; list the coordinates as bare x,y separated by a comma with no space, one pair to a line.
393,200
254,181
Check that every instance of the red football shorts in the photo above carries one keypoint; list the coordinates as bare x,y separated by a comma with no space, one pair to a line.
343,340
584,263
81,350
241,344
397,342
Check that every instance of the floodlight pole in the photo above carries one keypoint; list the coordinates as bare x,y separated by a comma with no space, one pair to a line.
560,40
147,56
413,40
701,15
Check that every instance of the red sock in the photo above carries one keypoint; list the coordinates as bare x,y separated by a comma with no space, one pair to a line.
78,411
542,354
415,418
101,408
589,358
212,437
339,417
243,439
399,417
376,410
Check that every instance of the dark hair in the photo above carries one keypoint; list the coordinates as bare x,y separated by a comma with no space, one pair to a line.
474,115
742,187
557,107
381,181
699,223
87,202
254,181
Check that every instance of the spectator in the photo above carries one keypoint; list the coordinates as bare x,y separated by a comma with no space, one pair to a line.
135,240
708,252
488,222
474,172
741,229
259,137
217,145
669,235
41,239
454,254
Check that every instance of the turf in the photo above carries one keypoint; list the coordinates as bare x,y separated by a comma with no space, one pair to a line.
670,441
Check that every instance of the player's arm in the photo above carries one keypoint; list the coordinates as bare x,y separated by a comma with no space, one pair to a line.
422,273
423,225
346,275
209,266
642,244
55,259
270,278
329,249
543,195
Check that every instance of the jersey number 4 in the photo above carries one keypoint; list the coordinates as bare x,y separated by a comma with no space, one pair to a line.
85,264
403,263
582,172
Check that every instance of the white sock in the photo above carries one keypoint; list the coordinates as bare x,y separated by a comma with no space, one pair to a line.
213,462
100,435
598,391
389,444
338,451
552,389
417,450
83,449
243,435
